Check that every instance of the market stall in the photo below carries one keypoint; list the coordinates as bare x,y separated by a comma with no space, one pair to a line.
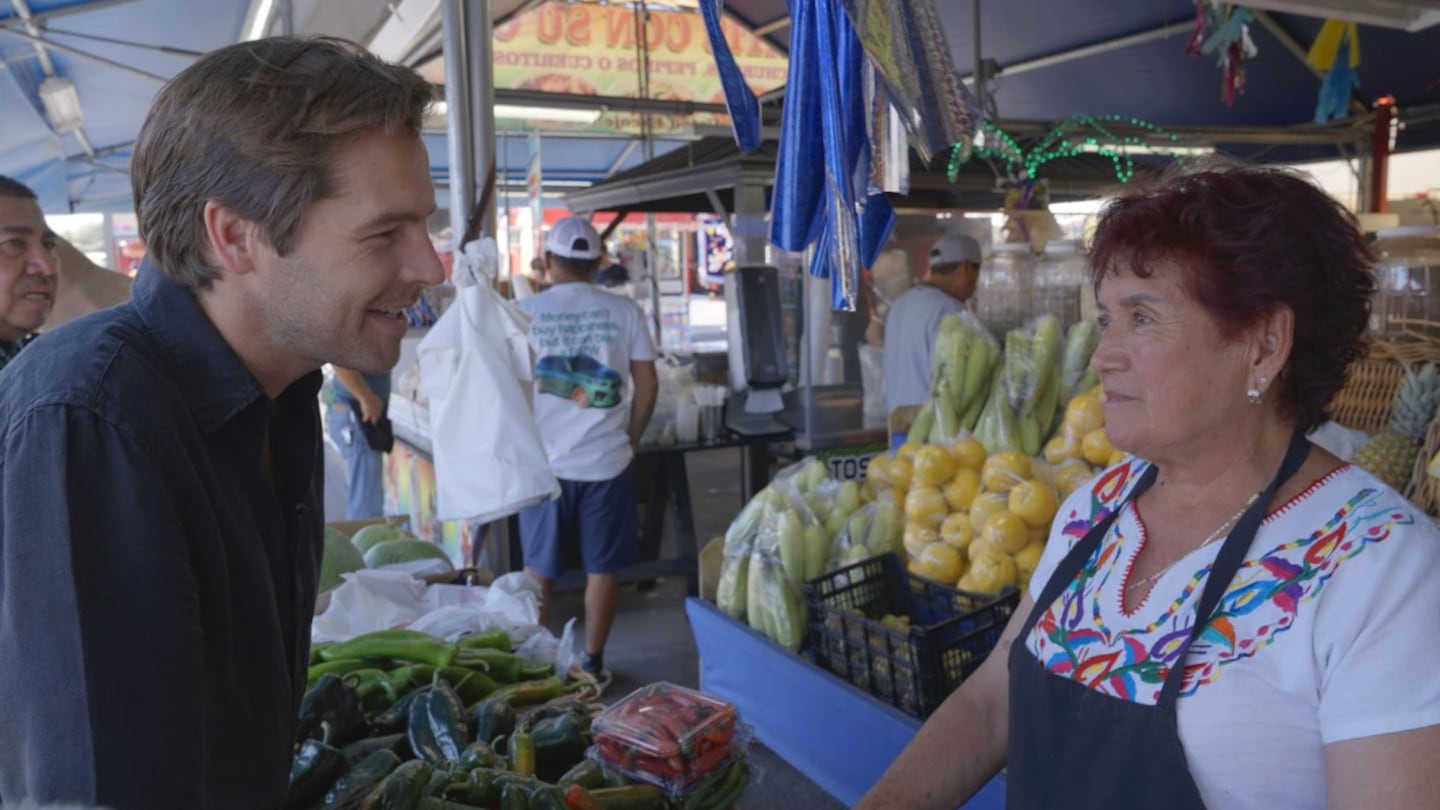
423,689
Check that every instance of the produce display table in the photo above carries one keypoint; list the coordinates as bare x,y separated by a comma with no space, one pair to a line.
839,737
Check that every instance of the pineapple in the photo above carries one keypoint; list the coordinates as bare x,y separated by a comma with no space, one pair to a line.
1391,455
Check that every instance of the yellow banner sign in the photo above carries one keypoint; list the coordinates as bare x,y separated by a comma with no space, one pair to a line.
595,50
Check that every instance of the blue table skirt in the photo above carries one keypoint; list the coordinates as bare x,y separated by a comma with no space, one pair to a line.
839,737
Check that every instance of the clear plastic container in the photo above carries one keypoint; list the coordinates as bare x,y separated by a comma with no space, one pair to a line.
1005,297
1407,279
1060,279
668,735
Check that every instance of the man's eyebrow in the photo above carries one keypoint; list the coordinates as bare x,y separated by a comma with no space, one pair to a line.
391,217
23,230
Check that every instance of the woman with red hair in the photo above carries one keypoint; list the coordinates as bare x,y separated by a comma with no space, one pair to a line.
1232,617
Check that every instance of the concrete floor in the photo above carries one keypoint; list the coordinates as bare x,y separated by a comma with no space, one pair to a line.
651,639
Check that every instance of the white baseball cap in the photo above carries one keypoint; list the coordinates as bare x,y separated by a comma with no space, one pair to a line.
573,238
955,247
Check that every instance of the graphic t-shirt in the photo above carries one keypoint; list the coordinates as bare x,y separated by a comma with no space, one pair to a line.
1326,634
910,330
584,341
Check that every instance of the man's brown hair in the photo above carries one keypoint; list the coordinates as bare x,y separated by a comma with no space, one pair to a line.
255,126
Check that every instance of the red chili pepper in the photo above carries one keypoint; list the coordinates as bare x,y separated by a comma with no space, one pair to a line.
710,760
578,798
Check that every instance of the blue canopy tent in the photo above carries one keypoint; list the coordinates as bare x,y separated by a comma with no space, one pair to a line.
117,54
1056,58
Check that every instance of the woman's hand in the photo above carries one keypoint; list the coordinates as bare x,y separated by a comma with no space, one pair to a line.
962,745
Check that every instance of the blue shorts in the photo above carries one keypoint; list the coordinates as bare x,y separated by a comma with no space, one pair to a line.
598,516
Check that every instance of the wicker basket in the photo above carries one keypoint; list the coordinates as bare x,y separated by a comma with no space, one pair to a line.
1368,397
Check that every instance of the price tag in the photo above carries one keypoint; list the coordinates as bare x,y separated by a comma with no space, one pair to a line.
850,463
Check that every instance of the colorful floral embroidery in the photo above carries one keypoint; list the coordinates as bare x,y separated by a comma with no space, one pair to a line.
1073,639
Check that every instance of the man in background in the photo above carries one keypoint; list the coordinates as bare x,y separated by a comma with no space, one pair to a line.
595,391
359,404
29,267
914,318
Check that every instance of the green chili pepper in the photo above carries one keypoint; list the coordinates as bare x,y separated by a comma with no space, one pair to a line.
359,782
404,786
587,774
331,700
526,693
342,666
502,666
394,719
522,753
490,639
315,768
373,687
471,685
478,754
358,750
559,743
403,645
438,731
492,717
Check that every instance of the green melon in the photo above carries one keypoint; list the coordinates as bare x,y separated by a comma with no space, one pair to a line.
377,533
340,557
408,550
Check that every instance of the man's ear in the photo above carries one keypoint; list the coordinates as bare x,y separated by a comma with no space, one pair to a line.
231,240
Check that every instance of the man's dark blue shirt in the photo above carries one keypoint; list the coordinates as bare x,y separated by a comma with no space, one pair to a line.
157,575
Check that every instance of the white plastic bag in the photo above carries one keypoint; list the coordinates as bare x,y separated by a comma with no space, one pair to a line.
476,368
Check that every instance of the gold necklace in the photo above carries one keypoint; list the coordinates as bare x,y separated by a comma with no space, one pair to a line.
1216,535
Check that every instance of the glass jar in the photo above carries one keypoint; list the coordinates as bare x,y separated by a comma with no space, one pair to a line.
1004,298
1060,277
1407,279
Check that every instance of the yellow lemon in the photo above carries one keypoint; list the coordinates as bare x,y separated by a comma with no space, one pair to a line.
985,505
1085,413
992,573
1039,535
1005,533
1115,458
962,489
1035,503
969,453
1025,562
917,537
957,532
908,450
878,472
933,465
1004,470
1070,477
1097,448
1059,450
901,471
925,505
942,562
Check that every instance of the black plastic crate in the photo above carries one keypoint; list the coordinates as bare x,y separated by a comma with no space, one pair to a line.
950,631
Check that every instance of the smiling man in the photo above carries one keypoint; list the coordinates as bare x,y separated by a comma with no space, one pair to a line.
28,267
160,476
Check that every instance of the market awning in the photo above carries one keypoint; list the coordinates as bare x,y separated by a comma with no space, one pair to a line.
686,178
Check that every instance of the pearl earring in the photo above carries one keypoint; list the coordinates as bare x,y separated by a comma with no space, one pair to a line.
1253,395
